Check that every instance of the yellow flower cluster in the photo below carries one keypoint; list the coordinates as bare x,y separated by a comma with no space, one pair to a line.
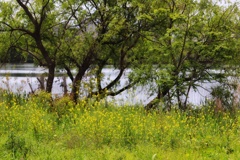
102,123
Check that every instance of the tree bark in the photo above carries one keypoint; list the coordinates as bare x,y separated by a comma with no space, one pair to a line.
78,78
153,103
76,86
51,75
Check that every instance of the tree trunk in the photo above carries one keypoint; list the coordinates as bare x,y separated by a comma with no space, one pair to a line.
153,103
76,84
64,85
41,81
75,89
51,74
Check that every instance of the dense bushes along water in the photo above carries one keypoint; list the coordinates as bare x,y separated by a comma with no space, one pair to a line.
39,128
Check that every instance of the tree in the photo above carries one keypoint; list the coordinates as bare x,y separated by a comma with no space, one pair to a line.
173,44
102,33
197,38
77,35
28,23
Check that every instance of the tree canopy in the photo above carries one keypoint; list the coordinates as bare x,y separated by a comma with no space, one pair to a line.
199,37
172,44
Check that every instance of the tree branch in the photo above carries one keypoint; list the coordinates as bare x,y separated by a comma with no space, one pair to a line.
29,14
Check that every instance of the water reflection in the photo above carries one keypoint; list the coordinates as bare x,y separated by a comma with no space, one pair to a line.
21,70
22,78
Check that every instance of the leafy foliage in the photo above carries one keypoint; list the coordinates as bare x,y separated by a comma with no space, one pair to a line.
198,38
173,45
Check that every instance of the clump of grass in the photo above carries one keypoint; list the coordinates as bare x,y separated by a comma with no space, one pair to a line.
43,128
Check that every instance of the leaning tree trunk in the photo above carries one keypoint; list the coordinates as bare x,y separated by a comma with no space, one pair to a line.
153,103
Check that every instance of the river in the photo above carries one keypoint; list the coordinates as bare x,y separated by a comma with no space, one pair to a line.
22,78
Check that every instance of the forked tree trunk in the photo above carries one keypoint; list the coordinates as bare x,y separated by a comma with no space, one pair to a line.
76,85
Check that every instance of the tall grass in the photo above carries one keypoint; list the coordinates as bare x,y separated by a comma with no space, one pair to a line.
38,127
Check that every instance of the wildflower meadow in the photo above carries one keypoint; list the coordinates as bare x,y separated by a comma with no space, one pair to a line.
39,127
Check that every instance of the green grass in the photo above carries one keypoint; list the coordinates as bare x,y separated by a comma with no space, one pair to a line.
40,128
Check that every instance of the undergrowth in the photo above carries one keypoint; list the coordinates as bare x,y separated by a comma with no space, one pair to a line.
39,127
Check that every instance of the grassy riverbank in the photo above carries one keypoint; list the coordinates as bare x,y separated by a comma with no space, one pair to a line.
39,128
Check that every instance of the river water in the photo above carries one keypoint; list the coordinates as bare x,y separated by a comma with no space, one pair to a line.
22,78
